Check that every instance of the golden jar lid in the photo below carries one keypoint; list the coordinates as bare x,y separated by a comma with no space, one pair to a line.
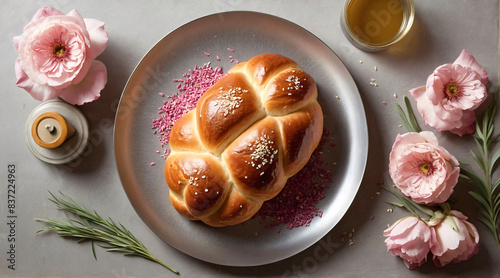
50,130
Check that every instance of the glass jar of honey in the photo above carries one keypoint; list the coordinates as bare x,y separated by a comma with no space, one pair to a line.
373,25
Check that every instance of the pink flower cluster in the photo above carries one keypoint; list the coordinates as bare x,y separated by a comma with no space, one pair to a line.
428,173
451,94
451,240
57,54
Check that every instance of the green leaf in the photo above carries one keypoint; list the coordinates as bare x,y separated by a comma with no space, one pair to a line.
494,160
487,223
480,199
476,181
404,120
478,161
411,115
93,249
486,215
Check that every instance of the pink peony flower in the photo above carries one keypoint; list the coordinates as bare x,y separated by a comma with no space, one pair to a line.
57,57
451,94
421,169
453,240
409,238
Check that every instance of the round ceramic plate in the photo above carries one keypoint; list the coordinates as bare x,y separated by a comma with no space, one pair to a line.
248,34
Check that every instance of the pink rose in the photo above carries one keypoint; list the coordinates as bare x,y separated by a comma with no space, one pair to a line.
453,240
421,169
451,94
57,57
409,239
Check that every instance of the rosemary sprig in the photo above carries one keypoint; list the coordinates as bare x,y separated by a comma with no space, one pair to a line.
91,226
487,192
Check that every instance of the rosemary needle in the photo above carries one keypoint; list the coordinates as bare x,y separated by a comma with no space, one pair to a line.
89,225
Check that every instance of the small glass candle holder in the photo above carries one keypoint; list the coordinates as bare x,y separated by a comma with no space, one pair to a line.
374,25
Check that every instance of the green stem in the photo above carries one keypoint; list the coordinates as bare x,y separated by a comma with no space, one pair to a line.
489,187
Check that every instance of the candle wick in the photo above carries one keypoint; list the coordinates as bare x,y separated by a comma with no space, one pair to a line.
50,128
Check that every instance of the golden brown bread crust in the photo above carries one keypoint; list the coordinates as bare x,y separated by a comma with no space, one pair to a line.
249,133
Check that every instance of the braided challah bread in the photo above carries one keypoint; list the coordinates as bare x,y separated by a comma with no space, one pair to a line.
249,133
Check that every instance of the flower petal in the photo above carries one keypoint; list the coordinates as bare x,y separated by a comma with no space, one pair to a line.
45,12
98,36
468,124
90,88
467,60
37,91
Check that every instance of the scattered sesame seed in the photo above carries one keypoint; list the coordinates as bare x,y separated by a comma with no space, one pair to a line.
389,210
229,100
293,82
375,68
395,95
206,189
372,79
361,62
337,97
400,126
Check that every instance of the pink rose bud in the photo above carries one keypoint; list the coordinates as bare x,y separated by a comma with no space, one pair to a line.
451,94
453,240
57,57
409,239
421,169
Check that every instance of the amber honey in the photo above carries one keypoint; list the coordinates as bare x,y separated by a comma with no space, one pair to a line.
377,23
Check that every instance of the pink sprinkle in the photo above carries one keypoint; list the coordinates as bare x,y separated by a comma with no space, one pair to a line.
384,102
153,163
230,61
230,49
207,54
161,94
296,204
372,217
218,58
237,61
190,89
